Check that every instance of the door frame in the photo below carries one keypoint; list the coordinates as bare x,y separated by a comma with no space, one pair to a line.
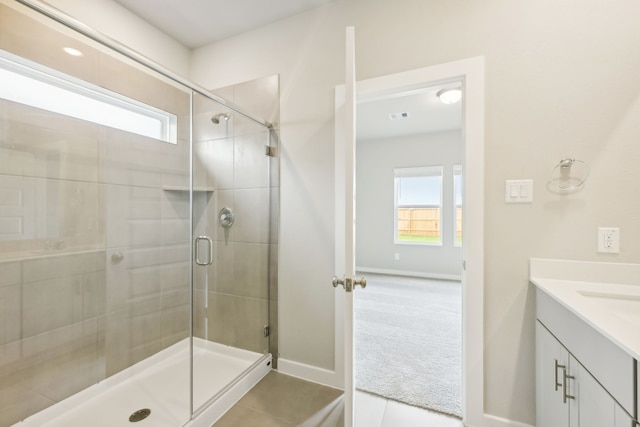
471,73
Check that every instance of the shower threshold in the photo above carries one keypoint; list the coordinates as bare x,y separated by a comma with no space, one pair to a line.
160,384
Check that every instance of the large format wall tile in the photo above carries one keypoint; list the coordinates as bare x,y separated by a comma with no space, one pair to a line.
251,165
251,270
43,144
133,216
10,301
251,316
252,215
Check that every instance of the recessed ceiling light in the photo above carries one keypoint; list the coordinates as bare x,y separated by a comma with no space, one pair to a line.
71,51
398,116
449,96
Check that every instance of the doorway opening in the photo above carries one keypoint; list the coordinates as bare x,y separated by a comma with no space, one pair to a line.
408,325
469,72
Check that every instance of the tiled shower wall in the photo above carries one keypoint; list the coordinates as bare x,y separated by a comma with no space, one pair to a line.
98,277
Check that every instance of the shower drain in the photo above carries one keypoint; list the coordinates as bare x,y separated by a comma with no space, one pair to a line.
139,415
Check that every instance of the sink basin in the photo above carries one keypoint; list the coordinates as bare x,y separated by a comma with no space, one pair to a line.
621,304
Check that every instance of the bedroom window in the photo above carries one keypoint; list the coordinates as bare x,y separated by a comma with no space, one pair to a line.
457,205
418,205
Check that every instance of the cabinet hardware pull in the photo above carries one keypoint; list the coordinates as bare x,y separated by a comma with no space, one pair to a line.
565,377
555,373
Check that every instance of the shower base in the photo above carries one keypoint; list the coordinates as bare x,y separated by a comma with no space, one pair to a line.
160,383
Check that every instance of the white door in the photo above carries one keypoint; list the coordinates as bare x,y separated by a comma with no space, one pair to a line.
471,72
345,280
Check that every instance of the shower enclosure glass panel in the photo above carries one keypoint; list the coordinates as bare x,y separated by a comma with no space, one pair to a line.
94,261
95,254
123,281
231,200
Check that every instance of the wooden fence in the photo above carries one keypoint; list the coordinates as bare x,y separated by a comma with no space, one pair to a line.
419,221
424,221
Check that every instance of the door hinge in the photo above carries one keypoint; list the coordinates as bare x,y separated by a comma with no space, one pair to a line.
266,331
269,151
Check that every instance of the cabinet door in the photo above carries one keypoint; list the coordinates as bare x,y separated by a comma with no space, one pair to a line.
591,405
551,411
622,418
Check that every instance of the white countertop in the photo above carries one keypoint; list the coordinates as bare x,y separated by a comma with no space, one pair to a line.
604,295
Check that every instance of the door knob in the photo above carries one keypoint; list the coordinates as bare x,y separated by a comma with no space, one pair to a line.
335,281
349,284
361,281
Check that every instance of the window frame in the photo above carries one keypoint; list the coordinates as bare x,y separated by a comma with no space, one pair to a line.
457,171
79,90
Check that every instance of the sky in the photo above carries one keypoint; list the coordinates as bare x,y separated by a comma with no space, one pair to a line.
423,190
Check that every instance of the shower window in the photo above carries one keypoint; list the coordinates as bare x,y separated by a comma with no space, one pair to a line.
418,205
34,85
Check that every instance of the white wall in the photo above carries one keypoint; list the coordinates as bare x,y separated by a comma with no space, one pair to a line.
375,248
116,22
561,81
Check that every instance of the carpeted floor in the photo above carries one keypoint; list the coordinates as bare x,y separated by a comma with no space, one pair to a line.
408,341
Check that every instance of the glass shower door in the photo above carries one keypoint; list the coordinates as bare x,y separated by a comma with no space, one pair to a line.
94,241
231,234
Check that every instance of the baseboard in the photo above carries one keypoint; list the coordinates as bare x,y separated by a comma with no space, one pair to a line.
310,373
409,273
493,421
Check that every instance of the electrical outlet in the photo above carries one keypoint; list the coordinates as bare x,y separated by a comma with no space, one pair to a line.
609,240
397,256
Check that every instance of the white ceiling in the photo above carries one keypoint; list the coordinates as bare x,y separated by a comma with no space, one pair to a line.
195,23
426,114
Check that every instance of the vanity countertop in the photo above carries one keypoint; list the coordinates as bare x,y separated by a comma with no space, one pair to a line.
604,295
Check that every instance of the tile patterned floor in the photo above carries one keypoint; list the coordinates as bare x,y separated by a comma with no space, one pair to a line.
283,401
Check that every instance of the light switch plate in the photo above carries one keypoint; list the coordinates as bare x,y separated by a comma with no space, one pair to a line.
518,191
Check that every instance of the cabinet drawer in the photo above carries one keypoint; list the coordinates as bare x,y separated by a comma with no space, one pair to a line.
607,362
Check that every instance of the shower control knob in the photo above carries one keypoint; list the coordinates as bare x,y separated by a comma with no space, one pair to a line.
225,217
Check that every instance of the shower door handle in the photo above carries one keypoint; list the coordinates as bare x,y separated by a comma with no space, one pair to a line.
209,260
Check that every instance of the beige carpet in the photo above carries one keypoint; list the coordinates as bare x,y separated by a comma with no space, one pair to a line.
408,341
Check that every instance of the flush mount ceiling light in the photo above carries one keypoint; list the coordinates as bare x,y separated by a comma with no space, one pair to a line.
449,96
71,51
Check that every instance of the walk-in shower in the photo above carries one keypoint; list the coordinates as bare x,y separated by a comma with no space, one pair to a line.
125,296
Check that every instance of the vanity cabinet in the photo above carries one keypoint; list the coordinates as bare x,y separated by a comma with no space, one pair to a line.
582,378
567,395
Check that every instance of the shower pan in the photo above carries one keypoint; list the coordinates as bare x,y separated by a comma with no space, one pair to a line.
123,296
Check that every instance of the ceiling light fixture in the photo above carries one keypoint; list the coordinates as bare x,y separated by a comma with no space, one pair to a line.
449,96
71,51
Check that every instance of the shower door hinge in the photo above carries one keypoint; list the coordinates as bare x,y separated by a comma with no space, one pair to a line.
266,331
269,151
